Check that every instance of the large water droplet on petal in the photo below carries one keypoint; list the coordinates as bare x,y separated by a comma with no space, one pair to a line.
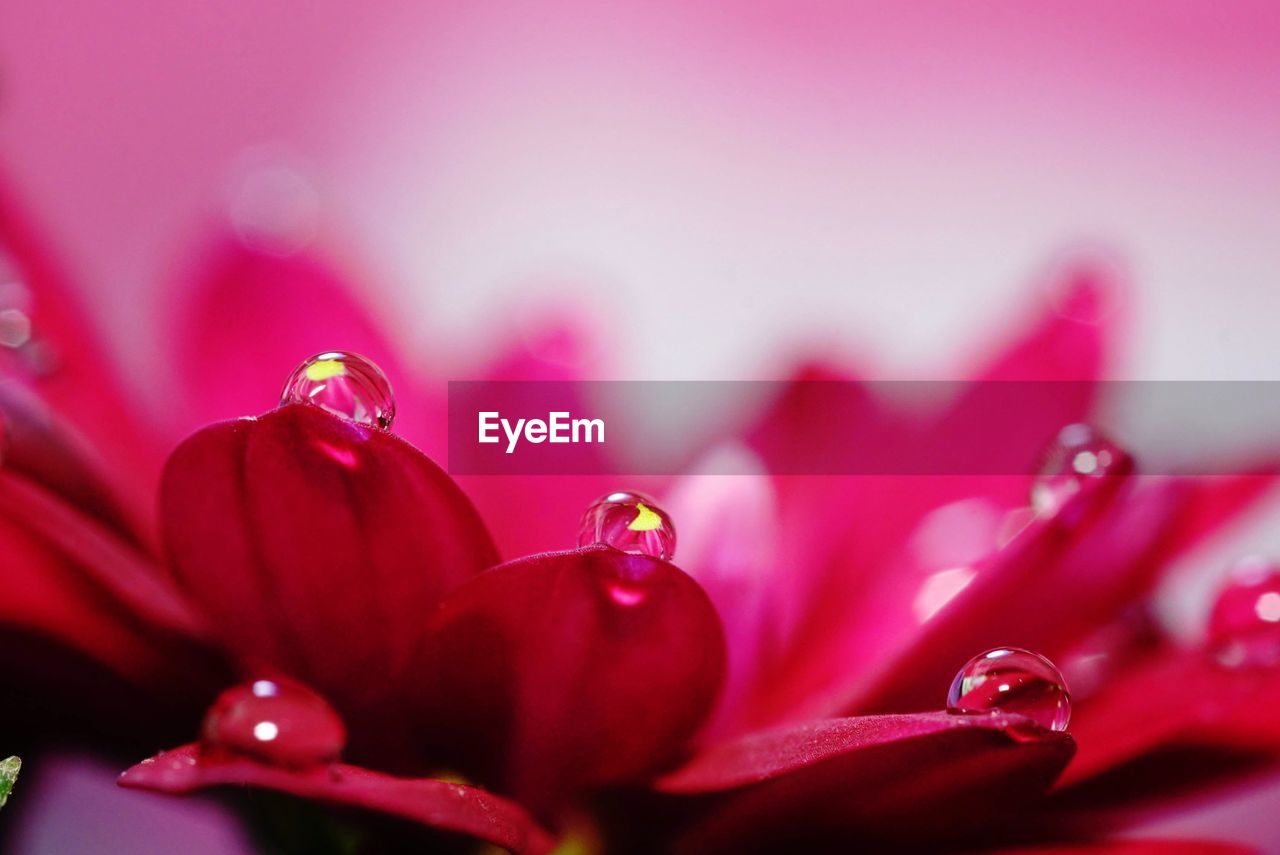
346,384
1244,627
1080,459
278,722
1012,680
631,522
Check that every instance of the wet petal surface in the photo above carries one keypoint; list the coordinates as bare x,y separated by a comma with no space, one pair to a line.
900,777
438,804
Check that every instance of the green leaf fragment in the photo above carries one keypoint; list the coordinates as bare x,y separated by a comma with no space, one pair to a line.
8,774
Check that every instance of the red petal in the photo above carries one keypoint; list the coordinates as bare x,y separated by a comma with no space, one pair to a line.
1174,697
437,804
899,778
572,669
1046,590
1212,503
79,381
47,595
114,567
249,317
846,587
318,547
1061,345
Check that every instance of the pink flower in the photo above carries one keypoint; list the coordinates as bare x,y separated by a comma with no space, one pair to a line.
788,688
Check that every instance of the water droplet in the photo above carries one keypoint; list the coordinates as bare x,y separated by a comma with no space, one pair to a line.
1012,680
1244,627
1080,458
346,384
631,522
274,721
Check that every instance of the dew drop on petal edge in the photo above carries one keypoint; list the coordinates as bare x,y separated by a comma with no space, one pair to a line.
345,384
1079,457
630,522
276,722
1012,680
1244,626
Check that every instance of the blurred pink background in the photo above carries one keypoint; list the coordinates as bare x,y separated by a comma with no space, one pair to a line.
889,174
713,182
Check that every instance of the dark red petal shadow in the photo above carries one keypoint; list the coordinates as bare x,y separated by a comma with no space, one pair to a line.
437,804
46,594
567,670
319,547
890,778
113,566
87,620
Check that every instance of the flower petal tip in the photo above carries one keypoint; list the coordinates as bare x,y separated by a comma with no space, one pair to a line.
444,805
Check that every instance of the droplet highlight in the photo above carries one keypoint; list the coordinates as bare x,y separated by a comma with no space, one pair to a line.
276,722
1244,626
1080,459
631,522
1012,680
345,384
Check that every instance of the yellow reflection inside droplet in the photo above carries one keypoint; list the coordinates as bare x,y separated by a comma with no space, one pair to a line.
646,519
324,369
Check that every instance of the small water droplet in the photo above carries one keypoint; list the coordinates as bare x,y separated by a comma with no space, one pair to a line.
1244,627
274,721
1012,680
346,384
631,522
1079,459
